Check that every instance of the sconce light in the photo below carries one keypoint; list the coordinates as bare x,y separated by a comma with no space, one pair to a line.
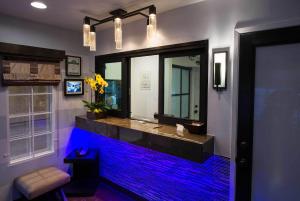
220,63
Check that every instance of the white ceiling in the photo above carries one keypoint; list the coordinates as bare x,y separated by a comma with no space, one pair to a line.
69,13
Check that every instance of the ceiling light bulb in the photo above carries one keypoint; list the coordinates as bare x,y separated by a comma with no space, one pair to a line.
38,4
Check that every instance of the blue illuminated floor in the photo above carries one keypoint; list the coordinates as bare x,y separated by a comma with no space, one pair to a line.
157,176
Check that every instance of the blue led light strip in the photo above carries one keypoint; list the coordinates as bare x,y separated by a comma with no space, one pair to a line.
156,176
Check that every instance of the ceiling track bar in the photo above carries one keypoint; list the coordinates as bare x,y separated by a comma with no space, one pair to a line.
124,16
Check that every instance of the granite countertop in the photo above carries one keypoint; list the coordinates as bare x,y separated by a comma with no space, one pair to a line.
154,128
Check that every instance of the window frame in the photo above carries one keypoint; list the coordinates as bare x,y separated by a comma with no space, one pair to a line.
32,134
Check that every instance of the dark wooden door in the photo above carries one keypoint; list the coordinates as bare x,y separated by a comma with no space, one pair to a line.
268,92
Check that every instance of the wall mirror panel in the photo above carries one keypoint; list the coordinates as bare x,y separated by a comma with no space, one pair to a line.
115,72
113,93
182,87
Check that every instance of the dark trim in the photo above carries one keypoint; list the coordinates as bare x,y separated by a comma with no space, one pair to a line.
32,53
158,50
65,87
67,66
248,44
29,83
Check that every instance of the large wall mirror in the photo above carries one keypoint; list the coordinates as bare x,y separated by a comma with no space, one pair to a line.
165,84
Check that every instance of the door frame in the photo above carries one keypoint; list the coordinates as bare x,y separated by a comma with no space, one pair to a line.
247,56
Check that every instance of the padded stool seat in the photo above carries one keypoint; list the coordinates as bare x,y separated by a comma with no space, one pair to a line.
41,181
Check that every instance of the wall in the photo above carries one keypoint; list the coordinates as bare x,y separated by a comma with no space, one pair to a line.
214,20
28,33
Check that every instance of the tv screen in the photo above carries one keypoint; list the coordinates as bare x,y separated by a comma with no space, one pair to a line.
74,87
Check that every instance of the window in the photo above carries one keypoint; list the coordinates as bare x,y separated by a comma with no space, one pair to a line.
180,97
31,125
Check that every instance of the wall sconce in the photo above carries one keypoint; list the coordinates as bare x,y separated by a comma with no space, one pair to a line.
220,63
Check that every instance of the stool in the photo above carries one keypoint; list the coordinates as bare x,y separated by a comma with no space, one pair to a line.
42,181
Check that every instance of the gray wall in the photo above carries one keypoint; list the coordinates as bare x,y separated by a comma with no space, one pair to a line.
214,20
28,33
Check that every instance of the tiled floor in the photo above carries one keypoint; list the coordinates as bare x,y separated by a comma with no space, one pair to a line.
156,176
105,193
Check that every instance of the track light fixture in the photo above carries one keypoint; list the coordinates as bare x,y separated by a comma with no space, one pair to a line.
117,16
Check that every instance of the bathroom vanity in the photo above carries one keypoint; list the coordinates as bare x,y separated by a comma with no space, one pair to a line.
158,137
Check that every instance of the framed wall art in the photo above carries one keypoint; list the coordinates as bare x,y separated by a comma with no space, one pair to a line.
73,66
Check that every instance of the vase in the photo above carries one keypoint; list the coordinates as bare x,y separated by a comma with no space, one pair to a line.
94,116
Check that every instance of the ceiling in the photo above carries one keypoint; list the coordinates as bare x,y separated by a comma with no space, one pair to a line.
69,13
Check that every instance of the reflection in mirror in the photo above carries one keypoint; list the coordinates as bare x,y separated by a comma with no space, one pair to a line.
182,87
113,76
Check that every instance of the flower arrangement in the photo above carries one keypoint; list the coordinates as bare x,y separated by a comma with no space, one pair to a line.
97,85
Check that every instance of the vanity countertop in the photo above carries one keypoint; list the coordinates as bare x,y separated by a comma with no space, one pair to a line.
156,129
159,137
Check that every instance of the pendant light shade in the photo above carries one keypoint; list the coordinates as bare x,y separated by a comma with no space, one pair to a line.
118,33
86,32
153,19
93,39
150,31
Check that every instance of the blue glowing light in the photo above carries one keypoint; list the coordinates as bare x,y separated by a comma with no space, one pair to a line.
156,176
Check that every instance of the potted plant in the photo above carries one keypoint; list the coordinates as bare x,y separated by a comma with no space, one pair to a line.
97,109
